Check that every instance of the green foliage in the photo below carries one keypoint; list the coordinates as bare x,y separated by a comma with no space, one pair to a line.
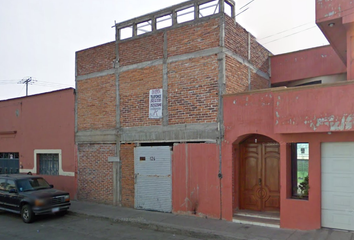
304,187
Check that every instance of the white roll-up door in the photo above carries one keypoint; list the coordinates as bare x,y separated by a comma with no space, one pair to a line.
153,182
337,174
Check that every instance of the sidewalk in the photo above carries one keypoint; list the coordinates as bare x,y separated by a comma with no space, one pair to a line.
199,227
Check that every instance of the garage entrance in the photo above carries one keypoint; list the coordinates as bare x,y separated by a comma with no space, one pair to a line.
9,162
153,182
337,178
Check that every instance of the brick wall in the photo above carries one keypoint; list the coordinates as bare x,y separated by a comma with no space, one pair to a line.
258,82
236,40
96,99
192,38
95,173
127,161
236,76
139,50
236,37
95,59
193,90
134,95
259,56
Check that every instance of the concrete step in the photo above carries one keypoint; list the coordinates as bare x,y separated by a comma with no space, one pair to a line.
265,222
254,214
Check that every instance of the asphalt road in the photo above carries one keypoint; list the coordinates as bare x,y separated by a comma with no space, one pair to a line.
75,227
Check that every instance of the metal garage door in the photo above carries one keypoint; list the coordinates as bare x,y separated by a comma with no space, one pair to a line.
337,162
153,183
9,163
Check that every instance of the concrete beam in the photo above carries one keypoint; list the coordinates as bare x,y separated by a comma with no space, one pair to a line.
96,136
172,133
247,63
96,74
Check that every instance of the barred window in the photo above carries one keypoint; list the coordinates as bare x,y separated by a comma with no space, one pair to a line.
48,164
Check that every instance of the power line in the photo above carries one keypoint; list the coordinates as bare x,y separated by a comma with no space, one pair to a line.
242,12
287,30
246,4
289,35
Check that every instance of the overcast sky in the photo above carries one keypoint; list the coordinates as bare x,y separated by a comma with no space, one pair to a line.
39,38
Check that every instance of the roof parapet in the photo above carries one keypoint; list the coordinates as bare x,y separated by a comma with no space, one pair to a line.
174,15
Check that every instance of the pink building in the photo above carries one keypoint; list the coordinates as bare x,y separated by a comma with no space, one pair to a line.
290,149
37,135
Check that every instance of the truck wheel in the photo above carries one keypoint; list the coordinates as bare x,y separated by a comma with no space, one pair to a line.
27,214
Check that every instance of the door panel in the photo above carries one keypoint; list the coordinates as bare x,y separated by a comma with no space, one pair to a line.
270,177
259,177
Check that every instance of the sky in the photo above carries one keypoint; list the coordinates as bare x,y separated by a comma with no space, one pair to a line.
39,38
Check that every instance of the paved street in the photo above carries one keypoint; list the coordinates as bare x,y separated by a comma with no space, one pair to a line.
75,227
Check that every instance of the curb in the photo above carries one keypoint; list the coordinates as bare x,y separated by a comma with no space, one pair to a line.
161,227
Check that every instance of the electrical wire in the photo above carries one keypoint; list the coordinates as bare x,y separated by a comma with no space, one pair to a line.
289,35
246,4
284,31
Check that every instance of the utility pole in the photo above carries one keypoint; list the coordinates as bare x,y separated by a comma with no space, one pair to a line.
27,81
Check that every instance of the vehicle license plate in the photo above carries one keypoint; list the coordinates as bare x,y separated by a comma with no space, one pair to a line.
55,209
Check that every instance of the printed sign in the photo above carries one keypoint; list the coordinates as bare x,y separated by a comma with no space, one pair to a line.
155,103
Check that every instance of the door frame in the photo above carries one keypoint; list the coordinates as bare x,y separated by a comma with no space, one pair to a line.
253,139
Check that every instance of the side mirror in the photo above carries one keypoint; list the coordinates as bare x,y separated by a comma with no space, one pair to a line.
12,190
51,185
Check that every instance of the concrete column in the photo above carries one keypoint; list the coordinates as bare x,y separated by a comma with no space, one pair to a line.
153,23
221,6
135,29
165,83
222,90
174,18
350,52
196,10
116,165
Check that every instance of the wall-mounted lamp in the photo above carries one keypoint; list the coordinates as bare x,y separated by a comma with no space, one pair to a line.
331,24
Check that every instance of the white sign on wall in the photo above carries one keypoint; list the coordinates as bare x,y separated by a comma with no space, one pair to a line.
155,103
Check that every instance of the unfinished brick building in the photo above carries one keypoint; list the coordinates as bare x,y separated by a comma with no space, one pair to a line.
149,112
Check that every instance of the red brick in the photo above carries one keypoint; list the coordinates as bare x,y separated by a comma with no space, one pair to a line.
95,173
96,59
96,98
134,95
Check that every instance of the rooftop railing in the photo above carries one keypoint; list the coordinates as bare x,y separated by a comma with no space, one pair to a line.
174,15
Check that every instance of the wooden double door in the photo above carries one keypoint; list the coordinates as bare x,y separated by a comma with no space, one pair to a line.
259,176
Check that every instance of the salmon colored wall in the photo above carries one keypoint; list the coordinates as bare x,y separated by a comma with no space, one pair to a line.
43,121
326,108
304,64
350,50
330,10
195,182
253,113
64,183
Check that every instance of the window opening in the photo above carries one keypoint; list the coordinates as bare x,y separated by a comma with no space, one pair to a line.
164,21
48,164
228,9
209,8
126,32
300,170
185,15
144,27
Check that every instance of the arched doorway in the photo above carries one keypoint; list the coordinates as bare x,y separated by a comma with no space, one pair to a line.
259,172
